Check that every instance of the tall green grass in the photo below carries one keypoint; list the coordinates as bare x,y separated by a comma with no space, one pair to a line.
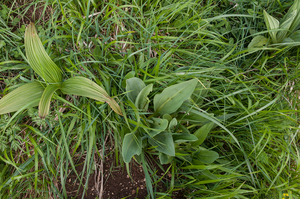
160,42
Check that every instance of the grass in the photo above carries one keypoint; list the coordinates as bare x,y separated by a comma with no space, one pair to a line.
250,96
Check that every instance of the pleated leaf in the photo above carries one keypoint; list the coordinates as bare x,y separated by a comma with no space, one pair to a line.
82,86
296,21
21,97
38,58
272,25
286,25
44,104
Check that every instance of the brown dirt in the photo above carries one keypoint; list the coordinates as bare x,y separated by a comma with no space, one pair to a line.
28,12
118,184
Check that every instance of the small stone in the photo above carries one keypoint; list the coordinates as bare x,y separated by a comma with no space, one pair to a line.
133,192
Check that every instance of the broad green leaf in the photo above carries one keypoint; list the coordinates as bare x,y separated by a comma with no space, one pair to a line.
132,145
205,156
20,97
296,22
258,41
38,58
202,133
142,101
82,86
44,104
172,97
272,25
133,87
165,159
173,123
184,137
167,117
158,126
286,25
127,76
164,143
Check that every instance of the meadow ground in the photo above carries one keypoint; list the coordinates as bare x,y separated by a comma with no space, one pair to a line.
149,99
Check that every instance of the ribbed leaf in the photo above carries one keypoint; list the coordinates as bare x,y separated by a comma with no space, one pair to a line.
286,25
272,25
82,86
44,104
38,58
21,97
296,21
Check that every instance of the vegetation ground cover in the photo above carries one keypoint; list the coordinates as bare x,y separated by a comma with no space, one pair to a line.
173,98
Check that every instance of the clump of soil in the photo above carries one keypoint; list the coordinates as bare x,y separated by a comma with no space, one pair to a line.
118,184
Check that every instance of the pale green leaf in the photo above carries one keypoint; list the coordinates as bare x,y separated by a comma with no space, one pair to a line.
173,123
44,104
38,58
132,145
258,41
164,143
133,87
296,22
272,25
286,25
82,86
127,76
21,97
165,159
142,100
172,97
158,126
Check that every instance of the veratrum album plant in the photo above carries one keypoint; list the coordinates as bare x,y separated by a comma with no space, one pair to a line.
40,93
283,33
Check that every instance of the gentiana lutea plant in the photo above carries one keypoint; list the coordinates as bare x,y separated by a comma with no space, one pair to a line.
40,93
